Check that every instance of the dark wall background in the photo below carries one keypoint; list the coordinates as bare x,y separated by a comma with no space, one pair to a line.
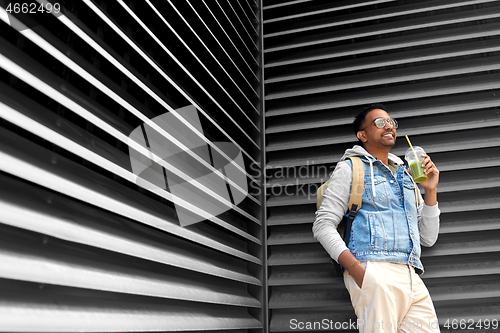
82,246
435,65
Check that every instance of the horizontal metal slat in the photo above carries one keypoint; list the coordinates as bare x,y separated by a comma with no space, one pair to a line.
227,88
477,289
290,234
316,320
232,36
477,311
238,23
433,143
331,294
39,210
91,39
77,64
337,6
307,275
304,213
456,223
478,200
243,23
57,173
455,160
249,8
288,320
461,222
277,178
398,109
380,14
116,270
27,259
125,173
386,60
285,218
222,38
413,126
50,127
285,3
28,70
446,161
407,74
392,43
208,71
26,309
63,94
285,255
461,244
456,181
249,74
302,254
291,200
306,78
55,129
384,28
250,47
334,318
466,265
249,18
464,180
480,204
393,93
302,233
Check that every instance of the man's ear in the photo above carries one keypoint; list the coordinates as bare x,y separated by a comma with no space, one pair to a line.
361,136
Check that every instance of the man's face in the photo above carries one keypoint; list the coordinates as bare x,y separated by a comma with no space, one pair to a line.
374,136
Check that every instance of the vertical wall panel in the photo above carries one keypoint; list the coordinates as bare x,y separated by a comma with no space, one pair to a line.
85,247
435,65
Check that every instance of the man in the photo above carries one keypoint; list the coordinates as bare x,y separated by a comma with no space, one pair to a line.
382,260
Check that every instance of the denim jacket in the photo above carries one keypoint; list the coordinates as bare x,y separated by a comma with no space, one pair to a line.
389,226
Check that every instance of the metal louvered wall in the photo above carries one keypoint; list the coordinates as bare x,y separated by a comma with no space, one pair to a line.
82,246
435,65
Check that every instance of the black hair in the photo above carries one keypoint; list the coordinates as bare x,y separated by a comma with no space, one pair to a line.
360,118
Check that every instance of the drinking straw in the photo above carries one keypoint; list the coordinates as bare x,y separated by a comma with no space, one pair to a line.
406,136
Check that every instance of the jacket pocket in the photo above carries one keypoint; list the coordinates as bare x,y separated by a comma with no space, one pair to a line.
381,191
410,196
377,230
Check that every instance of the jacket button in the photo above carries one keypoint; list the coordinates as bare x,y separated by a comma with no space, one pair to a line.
392,181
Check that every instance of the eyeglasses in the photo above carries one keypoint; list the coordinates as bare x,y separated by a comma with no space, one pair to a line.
380,123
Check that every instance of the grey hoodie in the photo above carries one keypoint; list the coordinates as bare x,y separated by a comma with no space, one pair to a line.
335,202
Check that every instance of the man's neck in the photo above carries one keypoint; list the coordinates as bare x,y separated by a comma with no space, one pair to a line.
379,154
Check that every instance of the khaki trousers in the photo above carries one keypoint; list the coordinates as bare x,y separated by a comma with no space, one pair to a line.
393,298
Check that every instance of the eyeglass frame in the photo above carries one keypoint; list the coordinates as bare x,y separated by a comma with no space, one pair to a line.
386,120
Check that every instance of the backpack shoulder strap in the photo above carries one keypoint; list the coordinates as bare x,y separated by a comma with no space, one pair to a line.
358,183
358,175
356,198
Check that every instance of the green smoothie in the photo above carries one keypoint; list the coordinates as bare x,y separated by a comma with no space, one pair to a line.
418,172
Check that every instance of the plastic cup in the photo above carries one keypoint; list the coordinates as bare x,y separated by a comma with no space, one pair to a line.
415,163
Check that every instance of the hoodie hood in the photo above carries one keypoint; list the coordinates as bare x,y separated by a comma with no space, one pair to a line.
360,151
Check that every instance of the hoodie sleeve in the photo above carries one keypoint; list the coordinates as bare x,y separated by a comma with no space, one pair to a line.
333,209
428,222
